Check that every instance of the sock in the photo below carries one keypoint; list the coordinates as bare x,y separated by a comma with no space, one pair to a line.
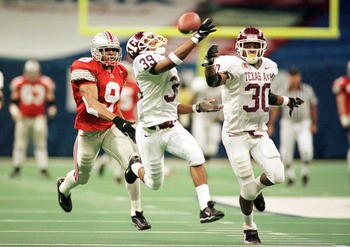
248,223
203,195
69,183
134,195
135,168
348,160
305,169
290,172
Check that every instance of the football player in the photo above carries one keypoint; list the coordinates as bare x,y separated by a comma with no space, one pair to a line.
97,83
245,82
341,90
158,108
1,86
206,128
30,94
127,103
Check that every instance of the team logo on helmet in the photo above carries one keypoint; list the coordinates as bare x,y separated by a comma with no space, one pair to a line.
142,42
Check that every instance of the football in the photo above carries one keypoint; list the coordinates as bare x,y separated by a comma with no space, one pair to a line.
188,22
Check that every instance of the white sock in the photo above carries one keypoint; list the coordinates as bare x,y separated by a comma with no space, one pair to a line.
348,159
203,195
134,195
305,169
248,223
69,183
290,173
135,168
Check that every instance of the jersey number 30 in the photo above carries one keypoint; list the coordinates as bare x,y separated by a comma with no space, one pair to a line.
259,97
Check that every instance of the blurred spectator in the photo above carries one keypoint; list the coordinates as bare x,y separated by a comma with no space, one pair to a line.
206,128
297,128
30,93
341,89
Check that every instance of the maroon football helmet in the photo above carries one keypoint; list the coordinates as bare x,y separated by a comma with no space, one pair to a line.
251,35
141,42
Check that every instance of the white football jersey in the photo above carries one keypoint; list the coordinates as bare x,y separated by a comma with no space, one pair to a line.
245,93
158,93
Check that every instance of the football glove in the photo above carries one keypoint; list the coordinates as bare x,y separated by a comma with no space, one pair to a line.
125,127
211,55
204,30
208,105
294,103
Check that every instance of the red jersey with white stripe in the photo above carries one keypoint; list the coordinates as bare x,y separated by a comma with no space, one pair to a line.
109,84
128,100
32,94
342,84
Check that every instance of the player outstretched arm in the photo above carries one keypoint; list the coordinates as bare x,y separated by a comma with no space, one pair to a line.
176,57
213,78
204,106
285,101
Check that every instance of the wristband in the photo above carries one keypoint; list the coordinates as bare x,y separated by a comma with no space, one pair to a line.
175,58
195,40
344,120
285,101
196,108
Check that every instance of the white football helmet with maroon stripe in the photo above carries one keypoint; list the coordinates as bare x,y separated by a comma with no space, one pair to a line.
142,42
104,41
251,35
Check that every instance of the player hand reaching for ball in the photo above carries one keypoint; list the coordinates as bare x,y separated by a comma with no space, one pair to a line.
158,129
204,30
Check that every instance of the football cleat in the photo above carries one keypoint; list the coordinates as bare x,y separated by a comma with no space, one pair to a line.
210,214
251,237
259,202
15,173
130,176
290,182
64,201
140,221
44,173
305,180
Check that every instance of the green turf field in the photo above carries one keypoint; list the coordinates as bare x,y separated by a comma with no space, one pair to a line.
31,216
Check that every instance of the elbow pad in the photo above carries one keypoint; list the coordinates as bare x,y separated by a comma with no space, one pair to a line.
272,98
213,81
90,110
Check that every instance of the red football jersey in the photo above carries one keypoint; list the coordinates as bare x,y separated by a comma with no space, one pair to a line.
342,84
128,100
109,84
32,95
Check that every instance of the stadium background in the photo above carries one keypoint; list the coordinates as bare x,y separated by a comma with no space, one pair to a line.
48,31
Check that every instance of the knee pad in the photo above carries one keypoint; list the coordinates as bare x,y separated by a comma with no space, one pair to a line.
250,191
276,176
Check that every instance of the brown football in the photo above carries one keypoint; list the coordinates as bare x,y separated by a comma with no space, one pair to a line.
188,22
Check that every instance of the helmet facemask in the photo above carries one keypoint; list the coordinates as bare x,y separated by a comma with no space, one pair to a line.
100,45
152,42
244,53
